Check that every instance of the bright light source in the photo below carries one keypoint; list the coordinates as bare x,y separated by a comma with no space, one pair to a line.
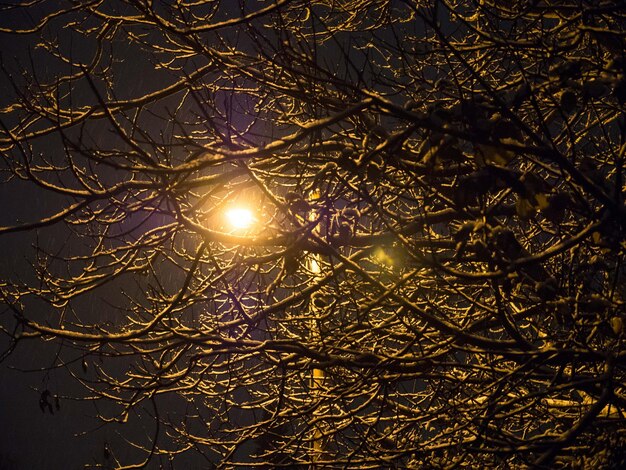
240,218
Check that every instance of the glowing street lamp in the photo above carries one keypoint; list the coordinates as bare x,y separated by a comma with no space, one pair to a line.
240,218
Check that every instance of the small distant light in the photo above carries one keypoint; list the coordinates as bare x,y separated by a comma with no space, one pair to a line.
240,218
383,257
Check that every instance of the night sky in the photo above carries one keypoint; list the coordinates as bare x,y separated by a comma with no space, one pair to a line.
32,438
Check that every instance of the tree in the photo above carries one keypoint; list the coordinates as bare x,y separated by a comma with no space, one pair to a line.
432,272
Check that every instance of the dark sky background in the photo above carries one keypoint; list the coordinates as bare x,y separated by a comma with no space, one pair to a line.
70,437
31,439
